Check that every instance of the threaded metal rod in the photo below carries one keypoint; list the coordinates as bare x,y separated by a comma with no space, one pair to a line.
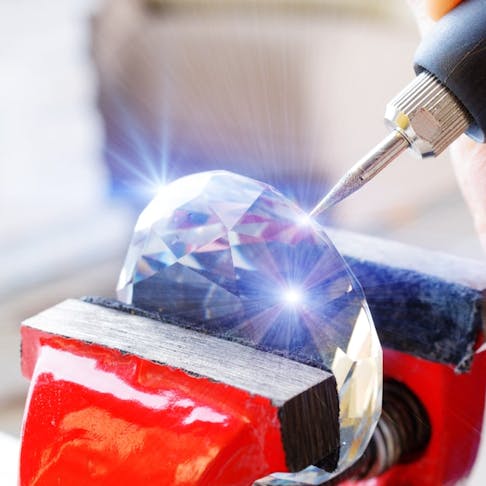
402,434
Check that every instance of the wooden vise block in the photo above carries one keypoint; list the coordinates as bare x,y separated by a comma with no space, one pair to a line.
424,303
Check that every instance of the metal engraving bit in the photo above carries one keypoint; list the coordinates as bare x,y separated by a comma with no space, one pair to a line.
364,170
425,117
446,99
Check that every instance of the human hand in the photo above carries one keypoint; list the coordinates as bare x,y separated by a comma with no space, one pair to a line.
468,157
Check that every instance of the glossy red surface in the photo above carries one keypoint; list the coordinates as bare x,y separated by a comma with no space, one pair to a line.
455,404
96,416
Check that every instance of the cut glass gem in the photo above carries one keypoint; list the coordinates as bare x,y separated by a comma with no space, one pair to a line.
237,258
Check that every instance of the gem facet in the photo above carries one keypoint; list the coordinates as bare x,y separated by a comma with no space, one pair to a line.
239,259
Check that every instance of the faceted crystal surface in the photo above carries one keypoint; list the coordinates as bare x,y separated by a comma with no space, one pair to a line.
236,257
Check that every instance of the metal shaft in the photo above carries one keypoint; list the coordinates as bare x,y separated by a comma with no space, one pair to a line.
425,116
364,170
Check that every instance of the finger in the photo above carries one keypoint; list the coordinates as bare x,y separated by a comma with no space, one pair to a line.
469,161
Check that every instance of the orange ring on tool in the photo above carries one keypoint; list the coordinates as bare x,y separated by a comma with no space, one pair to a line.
437,8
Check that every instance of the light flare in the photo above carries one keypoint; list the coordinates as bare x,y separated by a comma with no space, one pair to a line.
293,296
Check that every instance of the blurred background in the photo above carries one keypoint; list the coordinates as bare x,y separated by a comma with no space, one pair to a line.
104,101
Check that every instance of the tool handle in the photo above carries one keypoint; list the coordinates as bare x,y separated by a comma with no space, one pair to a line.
455,52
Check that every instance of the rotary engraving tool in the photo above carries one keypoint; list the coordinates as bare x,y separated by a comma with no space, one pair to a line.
445,100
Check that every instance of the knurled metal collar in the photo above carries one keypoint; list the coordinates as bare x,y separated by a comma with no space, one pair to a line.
428,115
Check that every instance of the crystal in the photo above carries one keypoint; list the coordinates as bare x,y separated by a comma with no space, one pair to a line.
239,260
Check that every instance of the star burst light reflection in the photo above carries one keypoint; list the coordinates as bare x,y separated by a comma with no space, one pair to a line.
293,296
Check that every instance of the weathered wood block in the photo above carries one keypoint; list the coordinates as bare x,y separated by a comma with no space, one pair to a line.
424,303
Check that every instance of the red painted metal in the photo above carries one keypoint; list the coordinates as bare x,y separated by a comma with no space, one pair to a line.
455,404
99,417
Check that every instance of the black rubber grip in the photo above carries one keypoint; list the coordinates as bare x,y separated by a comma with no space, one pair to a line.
455,52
